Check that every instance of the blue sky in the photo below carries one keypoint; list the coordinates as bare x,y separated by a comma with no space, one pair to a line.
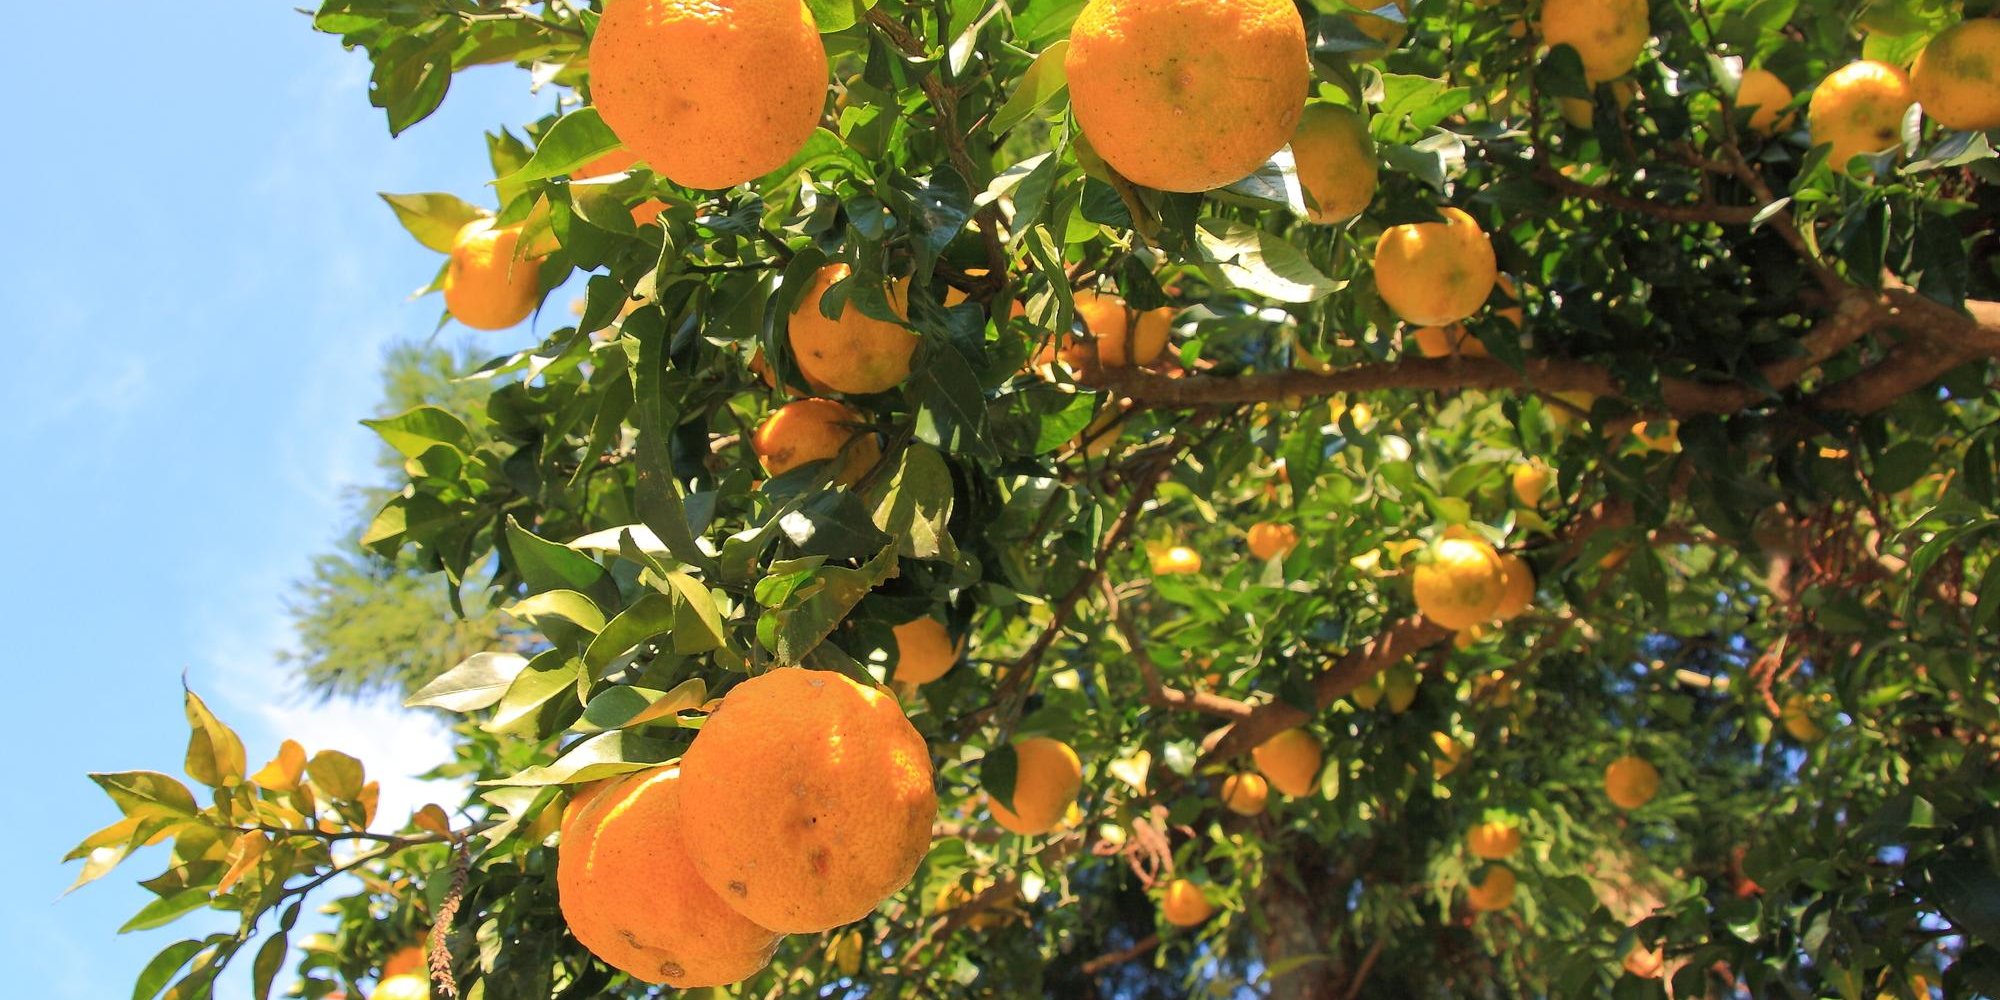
198,285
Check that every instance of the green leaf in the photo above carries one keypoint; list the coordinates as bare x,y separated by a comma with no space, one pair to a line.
166,910
600,756
565,616
623,707
951,408
835,593
147,794
837,15
434,219
547,566
410,518
336,774
914,505
651,615
1259,262
270,958
573,141
1967,890
477,682
160,971
1045,79
997,773
419,429
214,753
547,675
697,621
661,505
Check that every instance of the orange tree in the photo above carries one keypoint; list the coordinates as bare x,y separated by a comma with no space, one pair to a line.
1465,498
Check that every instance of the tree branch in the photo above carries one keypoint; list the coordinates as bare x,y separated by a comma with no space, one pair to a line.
1121,956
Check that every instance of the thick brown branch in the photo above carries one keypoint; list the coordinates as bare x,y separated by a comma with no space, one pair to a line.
1121,956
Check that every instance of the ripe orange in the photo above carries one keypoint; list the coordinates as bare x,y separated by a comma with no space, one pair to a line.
1608,34
1436,273
1762,91
1494,892
1245,794
924,650
1187,95
1517,588
1460,584
1631,782
813,430
1047,777
855,353
1147,340
1859,109
485,287
1109,323
709,93
1531,482
406,961
1957,76
625,854
1176,561
1290,760
407,986
1183,905
809,799
1493,841
1270,540
1450,752
1444,341
1335,160
1647,964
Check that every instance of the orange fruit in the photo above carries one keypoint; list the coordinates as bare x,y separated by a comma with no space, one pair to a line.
1187,95
1630,782
855,353
409,960
1450,752
1290,760
1143,345
626,853
1461,583
1177,560
1957,76
1494,892
924,650
1859,109
1517,588
1117,339
485,287
1444,341
1270,540
709,93
1762,91
1435,273
1647,964
407,986
1335,160
1531,481
1608,34
1245,794
1183,905
1493,841
1582,112
1662,436
1047,778
814,430
809,799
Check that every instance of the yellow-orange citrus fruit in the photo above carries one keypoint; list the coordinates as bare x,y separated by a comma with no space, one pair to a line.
808,799
813,430
1662,436
1335,160
1494,892
1400,685
1469,636
1436,273
1493,841
1859,109
1290,760
485,287
1517,587
1118,340
1957,76
1187,95
1148,336
1797,717
1047,777
1369,694
626,853
1450,752
1444,341
1461,583
408,960
856,353
1631,782
1183,905
1245,794
709,93
1582,112
924,650
1270,540
1608,34
1762,91
1389,33
1531,482
1176,560
406,986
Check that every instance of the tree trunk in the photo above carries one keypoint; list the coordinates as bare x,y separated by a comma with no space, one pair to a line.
1294,929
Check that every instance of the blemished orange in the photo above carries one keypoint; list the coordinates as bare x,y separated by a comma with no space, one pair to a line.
809,799
709,93
1517,587
856,353
1335,160
407,961
1176,560
406,986
1461,583
1608,34
1957,76
1493,840
1631,782
1047,778
1762,91
1436,273
1270,540
924,650
1183,905
1859,109
1494,892
1444,341
1246,794
813,430
485,286
1187,95
1290,760
625,853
